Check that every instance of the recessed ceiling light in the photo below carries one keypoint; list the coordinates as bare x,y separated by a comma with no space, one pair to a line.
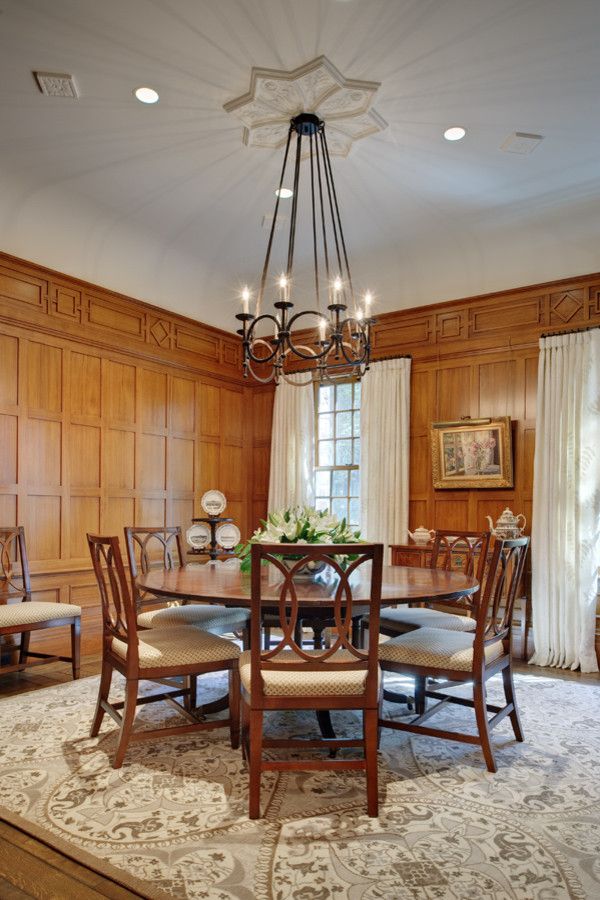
146,95
284,193
456,133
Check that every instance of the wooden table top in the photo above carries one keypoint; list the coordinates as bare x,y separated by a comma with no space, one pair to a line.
400,584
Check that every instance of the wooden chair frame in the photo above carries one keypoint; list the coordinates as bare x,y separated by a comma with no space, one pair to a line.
15,538
257,701
171,540
119,617
493,627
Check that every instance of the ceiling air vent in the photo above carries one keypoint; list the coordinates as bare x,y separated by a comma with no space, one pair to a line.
521,142
54,84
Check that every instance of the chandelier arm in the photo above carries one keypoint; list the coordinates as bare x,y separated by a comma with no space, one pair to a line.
313,354
323,226
327,169
355,360
339,220
314,222
292,240
270,377
251,340
263,277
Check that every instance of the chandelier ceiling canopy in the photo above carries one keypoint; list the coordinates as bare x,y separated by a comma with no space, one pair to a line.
288,110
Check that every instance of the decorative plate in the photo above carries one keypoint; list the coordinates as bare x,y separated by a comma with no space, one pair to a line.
213,503
228,535
198,536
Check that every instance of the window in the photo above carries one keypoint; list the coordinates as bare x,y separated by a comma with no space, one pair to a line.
337,435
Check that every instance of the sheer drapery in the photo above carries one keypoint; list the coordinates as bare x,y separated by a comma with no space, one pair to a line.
292,445
384,428
566,501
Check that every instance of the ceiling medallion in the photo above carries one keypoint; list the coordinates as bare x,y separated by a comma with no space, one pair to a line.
326,344
276,96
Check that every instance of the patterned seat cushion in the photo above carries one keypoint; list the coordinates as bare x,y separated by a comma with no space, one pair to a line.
306,684
435,648
30,612
174,647
425,618
209,617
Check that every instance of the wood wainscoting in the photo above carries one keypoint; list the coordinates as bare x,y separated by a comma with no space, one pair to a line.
114,412
479,357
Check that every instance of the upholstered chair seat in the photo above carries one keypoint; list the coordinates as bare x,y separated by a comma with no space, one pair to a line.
178,647
35,611
424,618
437,648
299,684
211,618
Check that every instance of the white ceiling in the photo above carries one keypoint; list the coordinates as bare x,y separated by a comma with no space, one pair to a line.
165,203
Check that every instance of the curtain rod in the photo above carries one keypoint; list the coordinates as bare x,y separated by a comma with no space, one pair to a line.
548,334
379,359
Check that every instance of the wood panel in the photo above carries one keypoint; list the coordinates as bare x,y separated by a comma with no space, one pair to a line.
117,421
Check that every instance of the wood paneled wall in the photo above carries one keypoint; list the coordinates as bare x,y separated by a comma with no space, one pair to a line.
479,357
113,412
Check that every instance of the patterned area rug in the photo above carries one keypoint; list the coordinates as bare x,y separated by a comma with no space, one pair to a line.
174,818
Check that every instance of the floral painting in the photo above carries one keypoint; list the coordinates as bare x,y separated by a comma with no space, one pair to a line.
472,453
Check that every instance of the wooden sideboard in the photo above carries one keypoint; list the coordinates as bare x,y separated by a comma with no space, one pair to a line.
419,555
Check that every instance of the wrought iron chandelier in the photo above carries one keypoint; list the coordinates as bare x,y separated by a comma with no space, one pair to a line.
340,344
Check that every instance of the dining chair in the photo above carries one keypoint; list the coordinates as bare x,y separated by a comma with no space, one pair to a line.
286,676
459,657
466,551
19,614
148,547
159,655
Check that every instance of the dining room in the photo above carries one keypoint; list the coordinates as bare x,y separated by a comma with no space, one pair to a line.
299,477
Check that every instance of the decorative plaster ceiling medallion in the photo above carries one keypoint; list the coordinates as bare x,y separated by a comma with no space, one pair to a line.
318,87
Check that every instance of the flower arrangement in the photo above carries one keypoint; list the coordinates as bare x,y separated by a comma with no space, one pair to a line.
481,451
299,525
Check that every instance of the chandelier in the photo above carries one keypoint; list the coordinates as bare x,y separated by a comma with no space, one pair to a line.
337,343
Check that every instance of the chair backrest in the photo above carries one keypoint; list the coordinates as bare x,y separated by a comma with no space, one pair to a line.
336,590
12,549
149,547
497,601
119,618
463,550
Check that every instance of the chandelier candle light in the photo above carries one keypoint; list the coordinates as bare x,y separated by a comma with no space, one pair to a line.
340,345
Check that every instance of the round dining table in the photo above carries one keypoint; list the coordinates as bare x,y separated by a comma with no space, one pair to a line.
225,584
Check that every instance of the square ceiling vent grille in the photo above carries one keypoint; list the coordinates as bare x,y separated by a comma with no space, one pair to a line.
55,84
521,142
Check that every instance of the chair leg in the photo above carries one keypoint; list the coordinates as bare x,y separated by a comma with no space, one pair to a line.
76,647
420,696
129,710
190,700
245,731
103,692
509,693
479,698
370,734
254,763
266,638
246,638
24,647
234,706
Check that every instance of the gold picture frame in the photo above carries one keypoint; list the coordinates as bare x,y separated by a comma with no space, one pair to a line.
472,453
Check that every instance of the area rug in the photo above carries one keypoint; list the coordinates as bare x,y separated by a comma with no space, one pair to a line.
173,821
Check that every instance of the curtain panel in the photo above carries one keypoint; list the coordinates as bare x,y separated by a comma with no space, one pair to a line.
566,502
385,428
292,445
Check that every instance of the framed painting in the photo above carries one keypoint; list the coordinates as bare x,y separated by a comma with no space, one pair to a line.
472,453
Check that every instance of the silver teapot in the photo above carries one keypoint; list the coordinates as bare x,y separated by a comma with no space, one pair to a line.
507,525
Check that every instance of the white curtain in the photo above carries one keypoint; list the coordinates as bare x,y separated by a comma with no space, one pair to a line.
384,429
292,445
565,540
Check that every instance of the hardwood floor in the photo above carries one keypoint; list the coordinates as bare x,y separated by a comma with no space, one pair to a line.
30,869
